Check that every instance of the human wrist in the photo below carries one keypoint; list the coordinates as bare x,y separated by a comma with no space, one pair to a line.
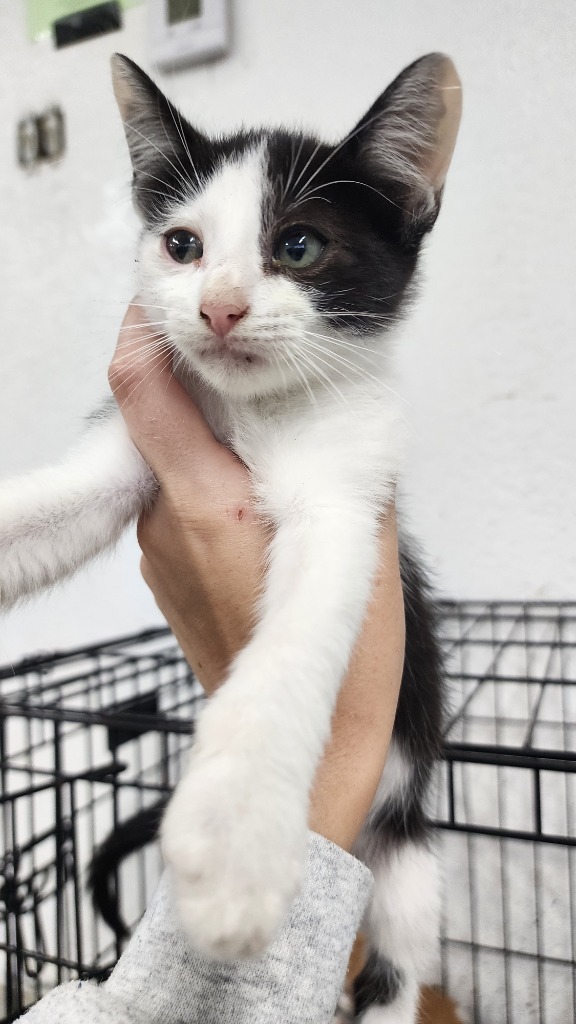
355,755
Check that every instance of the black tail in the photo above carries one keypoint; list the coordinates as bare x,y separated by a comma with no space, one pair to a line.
128,837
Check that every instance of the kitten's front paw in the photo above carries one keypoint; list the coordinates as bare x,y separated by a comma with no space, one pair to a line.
236,855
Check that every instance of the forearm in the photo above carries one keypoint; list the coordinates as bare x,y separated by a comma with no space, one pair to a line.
160,980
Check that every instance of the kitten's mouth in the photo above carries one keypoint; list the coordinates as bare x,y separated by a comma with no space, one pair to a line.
232,355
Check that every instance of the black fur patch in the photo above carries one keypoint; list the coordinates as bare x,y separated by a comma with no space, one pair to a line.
419,722
366,268
379,982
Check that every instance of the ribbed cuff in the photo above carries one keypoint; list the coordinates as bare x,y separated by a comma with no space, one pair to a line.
161,980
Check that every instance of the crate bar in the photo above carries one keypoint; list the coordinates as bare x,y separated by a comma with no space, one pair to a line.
505,833
159,722
490,754
62,657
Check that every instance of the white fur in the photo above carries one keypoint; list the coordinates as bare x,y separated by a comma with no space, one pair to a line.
403,922
396,777
323,453
401,1011
56,519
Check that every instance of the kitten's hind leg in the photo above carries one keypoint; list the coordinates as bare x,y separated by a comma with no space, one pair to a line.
403,925
403,920
56,519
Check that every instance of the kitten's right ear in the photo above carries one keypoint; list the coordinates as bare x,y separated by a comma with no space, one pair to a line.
154,128
409,133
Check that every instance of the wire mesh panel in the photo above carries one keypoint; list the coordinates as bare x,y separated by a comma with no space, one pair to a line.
89,737
86,739
508,805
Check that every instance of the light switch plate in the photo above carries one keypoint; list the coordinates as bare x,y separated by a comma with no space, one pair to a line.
187,31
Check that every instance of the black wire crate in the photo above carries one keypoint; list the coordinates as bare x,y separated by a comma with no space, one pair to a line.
89,737
507,807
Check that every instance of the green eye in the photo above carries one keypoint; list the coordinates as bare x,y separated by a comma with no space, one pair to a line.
298,248
183,246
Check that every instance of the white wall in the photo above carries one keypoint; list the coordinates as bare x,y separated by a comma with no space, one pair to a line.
488,363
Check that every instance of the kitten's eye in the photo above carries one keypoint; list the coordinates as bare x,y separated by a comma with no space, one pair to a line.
298,248
183,246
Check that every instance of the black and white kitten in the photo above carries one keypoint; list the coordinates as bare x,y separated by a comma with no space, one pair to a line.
275,268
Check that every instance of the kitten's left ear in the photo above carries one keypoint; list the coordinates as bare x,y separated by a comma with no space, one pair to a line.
161,143
149,119
409,133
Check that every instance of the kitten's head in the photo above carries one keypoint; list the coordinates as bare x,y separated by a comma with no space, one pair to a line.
270,259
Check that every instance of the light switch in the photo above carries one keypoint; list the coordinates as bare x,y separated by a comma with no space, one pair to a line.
186,32
51,131
28,141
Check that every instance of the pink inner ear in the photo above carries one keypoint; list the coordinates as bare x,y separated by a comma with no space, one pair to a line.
222,316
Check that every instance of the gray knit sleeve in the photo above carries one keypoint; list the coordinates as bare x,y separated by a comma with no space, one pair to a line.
160,980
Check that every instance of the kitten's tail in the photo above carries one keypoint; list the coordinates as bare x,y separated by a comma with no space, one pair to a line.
127,838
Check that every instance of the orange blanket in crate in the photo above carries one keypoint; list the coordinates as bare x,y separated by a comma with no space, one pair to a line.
435,1007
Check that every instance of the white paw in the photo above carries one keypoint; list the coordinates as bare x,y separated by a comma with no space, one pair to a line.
235,847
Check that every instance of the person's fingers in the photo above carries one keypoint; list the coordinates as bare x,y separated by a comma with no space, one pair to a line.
157,409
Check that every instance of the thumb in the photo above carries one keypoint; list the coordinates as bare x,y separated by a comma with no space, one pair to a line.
163,421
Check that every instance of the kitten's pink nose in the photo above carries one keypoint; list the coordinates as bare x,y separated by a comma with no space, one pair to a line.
222,317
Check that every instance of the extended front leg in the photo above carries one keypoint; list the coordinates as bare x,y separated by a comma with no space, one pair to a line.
235,832
54,520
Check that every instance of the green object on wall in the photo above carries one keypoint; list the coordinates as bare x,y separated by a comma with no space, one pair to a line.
40,14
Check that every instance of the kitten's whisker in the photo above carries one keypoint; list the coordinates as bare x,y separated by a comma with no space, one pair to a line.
180,130
177,361
130,372
133,342
126,339
364,123
167,188
160,367
358,369
351,331
344,181
134,354
187,148
327,284
145,305
276,357
326,357
359,350
130,349
291,360
335,340
307,358
147,323
295,159
153,191
308,199
312,368
157,148
315,151
133,359
124,362
351,312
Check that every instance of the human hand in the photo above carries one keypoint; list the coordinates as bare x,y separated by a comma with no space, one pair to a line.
204,551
